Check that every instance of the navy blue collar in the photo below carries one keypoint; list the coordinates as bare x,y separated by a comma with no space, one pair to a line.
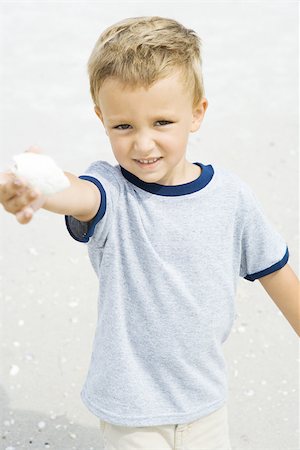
181,189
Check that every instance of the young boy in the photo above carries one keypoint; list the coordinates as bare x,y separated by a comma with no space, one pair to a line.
167,239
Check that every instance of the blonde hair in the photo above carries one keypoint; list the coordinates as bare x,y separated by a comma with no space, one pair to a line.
141,50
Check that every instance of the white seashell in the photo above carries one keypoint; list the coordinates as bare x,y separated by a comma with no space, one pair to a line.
41,172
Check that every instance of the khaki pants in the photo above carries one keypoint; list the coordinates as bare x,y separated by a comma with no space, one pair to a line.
208,433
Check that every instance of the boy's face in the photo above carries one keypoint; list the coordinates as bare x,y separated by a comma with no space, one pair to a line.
147,123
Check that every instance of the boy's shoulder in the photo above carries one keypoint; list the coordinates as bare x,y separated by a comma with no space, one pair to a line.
102,167
232,184
231,179
106,171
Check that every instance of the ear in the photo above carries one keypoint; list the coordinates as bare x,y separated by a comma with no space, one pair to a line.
198,114
98,112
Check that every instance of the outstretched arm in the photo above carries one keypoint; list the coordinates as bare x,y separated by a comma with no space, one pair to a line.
81,200
283,287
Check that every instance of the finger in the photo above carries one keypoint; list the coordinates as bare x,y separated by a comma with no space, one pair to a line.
4,177
20,201
10,186
25,215
34,149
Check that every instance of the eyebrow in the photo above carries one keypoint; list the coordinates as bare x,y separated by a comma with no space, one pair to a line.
158,116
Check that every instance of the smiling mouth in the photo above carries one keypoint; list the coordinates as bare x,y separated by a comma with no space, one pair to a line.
148,162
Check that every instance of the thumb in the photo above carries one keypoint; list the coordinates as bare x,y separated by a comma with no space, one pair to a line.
34,149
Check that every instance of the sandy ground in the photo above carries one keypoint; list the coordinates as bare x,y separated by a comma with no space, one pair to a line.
48,294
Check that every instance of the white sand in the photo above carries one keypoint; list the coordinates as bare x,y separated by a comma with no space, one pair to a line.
48,300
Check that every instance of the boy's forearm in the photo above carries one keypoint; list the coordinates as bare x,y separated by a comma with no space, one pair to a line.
283,287
81,200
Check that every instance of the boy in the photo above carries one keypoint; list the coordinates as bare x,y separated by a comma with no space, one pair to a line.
167,239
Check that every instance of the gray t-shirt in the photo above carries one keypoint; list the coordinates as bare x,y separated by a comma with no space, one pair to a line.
168,260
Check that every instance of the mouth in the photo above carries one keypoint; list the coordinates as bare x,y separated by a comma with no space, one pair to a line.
148,163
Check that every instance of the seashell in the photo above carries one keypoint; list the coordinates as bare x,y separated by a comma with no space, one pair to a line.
41,171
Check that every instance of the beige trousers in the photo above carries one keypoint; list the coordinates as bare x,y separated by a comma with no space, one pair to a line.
208,433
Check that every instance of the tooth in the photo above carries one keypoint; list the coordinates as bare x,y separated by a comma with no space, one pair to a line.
150,161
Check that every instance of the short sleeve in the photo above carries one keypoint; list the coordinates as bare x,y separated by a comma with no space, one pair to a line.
102,175
263,249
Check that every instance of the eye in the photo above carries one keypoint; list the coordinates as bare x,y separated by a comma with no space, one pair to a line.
122,126
163,122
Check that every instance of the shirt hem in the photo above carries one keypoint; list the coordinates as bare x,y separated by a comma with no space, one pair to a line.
89,227
150,421
279,265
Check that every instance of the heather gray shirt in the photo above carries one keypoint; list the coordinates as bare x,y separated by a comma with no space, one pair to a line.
168,260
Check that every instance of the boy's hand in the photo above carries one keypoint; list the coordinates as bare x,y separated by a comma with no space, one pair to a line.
39,183
18,198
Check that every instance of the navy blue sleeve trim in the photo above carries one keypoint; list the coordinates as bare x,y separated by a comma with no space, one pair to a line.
271,269
82,231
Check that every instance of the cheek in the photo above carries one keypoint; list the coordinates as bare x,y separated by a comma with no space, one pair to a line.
119,146
169,139
176,142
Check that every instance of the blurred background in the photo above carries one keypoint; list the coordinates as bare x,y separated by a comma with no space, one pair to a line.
48,289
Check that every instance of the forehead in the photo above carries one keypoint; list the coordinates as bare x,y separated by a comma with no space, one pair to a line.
166,92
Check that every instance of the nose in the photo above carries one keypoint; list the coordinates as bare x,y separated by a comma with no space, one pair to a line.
143,143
